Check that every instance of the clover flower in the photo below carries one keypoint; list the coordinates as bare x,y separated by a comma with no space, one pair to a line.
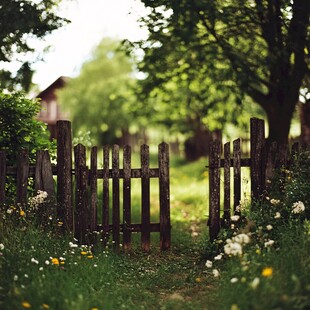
242,239
274,201
269,243
235,218
218,257
298,207
215,273
277,215
233,248
269,227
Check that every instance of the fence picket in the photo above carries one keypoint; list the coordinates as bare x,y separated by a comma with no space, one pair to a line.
127,198
115,198
237,173
164,196
227,183
2,178
93,189
106,193
22,176
214,189
145,198
64,173
81,180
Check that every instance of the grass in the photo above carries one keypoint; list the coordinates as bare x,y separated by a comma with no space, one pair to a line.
43,270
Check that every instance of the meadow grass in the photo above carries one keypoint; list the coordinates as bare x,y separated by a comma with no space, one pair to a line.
41,269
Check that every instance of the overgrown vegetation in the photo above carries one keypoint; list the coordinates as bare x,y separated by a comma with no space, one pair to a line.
269,269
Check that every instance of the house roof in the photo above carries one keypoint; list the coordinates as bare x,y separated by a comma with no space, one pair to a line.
59,83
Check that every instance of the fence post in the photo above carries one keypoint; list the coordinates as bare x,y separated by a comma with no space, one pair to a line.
2,178
164,196
237,174
258,160
115,198
127,198
214,189
227,183
22,176
145,198
64,174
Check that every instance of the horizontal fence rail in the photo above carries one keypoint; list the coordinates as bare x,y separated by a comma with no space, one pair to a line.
76,195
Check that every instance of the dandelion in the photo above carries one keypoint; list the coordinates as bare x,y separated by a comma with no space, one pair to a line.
235,218
90,256
208,264
269,227
233,280
60,223
267,272
234,307
22,213
254,284
215,273
45,306
198,280
258,251
298,207
83,252
26,304
55,261
1,246
277,215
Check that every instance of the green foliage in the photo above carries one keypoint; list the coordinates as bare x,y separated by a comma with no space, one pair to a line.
100,99
220,51
19,129
19,21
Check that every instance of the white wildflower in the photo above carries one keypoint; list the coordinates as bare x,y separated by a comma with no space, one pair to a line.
218,257
277,215
269,243
233,248
235,218
254,284
9,211
233,280
298,207
215,273
242,239
275,201
1,246
15,278
208,264
47,262
269,227
33,260
41,269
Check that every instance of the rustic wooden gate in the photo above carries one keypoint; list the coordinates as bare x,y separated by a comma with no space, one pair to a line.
77,198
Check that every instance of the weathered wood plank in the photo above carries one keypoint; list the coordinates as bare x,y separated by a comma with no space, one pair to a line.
2,178
145,198
214,189
64,174
81,208
271,161
237,174
127,198
258,163
22,177
164,196
115,197
105,193
227,183
133,227
93,189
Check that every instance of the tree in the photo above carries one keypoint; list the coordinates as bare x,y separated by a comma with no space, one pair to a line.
100,99
260,47
20,22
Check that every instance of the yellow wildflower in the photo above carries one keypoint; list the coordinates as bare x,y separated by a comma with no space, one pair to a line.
198,280
45,306
83,252
22,213
55,261
26,304
267,272
90,256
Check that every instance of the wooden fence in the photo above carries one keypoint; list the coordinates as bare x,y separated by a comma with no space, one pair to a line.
76,198
262,163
